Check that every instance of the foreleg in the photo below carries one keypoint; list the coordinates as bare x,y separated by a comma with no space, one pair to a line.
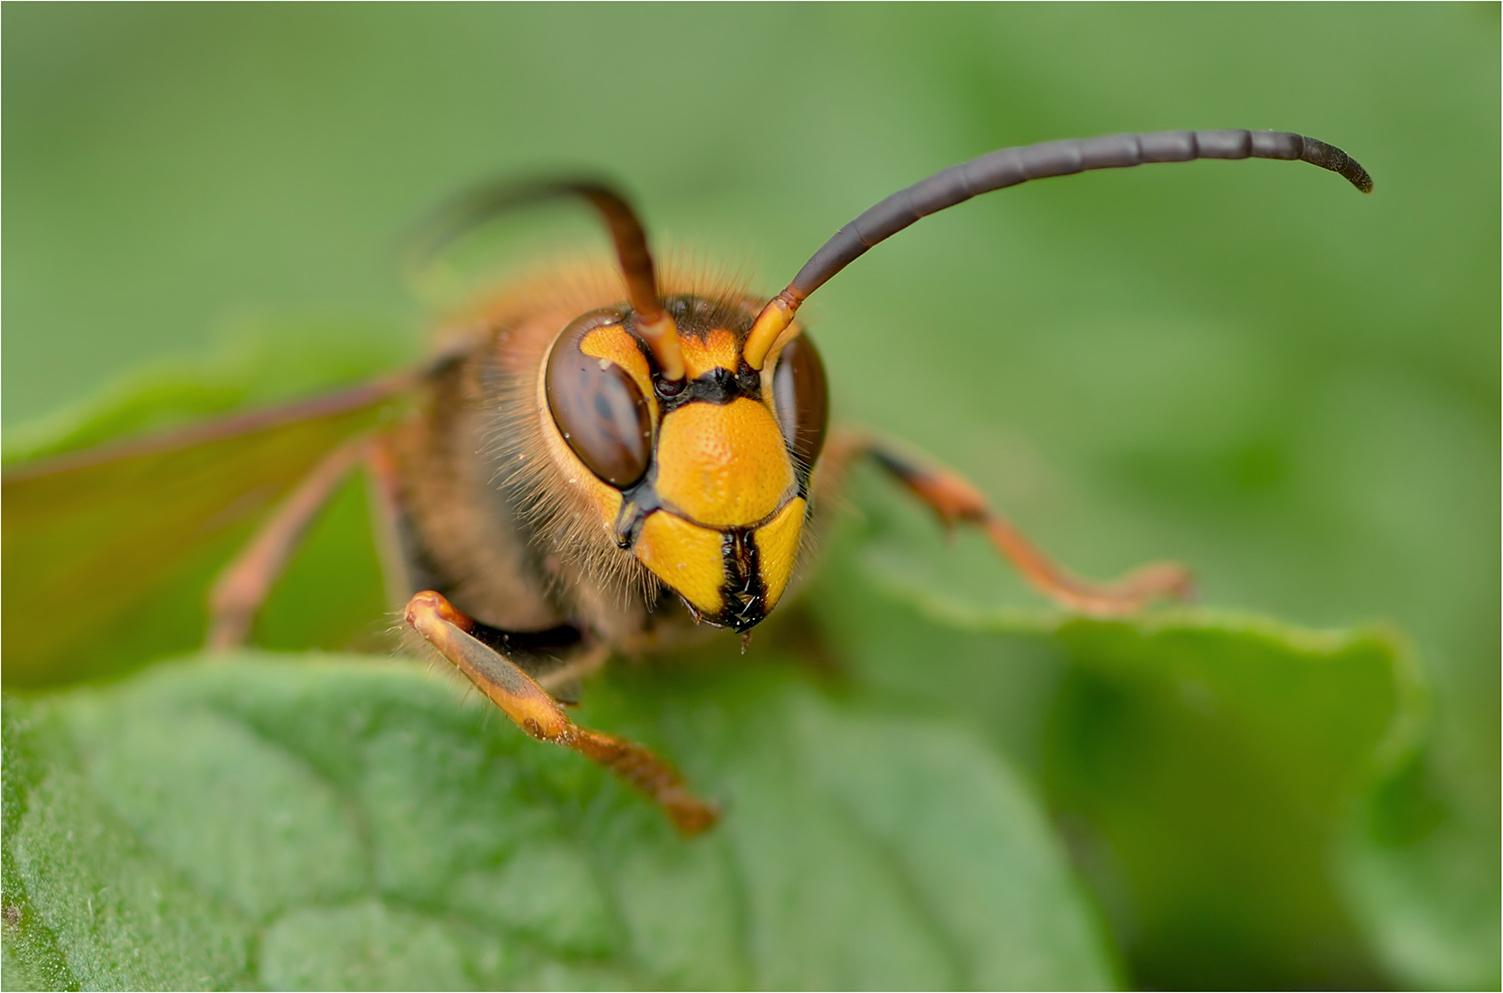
530,707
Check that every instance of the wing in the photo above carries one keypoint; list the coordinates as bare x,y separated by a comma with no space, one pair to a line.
107,552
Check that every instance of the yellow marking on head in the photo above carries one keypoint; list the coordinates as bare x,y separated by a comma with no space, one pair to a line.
606,498
723,465
777,547
612,343
686,557
716,351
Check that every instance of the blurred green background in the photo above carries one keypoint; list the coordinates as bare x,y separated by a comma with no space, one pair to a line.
1248,367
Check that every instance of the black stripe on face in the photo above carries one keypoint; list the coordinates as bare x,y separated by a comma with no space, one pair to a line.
744,593
718,386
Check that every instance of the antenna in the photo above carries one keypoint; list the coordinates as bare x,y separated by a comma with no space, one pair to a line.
1011,166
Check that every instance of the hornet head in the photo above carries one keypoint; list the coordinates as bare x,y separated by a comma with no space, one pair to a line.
705,474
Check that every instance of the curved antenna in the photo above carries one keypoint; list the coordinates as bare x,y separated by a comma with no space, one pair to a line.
1011,166
481,205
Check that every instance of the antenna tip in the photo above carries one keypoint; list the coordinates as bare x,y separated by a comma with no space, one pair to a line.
1357,176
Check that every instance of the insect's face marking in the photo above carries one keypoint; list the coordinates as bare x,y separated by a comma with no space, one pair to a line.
716,350
723,465
705,481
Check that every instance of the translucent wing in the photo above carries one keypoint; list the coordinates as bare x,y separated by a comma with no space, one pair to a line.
107,552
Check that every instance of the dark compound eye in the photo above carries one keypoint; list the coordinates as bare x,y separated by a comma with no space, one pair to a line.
599,410
801,398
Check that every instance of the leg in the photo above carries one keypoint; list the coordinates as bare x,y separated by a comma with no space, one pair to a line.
241,589
534,711
556,658
957,501
243,586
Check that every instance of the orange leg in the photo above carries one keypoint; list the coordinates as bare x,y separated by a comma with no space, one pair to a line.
243,586
531,708
241,589
958,502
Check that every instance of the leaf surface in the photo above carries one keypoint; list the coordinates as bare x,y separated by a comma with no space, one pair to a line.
346,823
1205,766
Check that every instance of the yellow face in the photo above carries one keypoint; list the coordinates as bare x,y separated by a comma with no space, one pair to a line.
706,485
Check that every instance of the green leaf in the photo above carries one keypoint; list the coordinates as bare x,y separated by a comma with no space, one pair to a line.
347,823
1419,868
1204,766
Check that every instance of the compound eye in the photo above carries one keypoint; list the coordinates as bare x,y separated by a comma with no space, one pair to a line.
801,398
599,410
